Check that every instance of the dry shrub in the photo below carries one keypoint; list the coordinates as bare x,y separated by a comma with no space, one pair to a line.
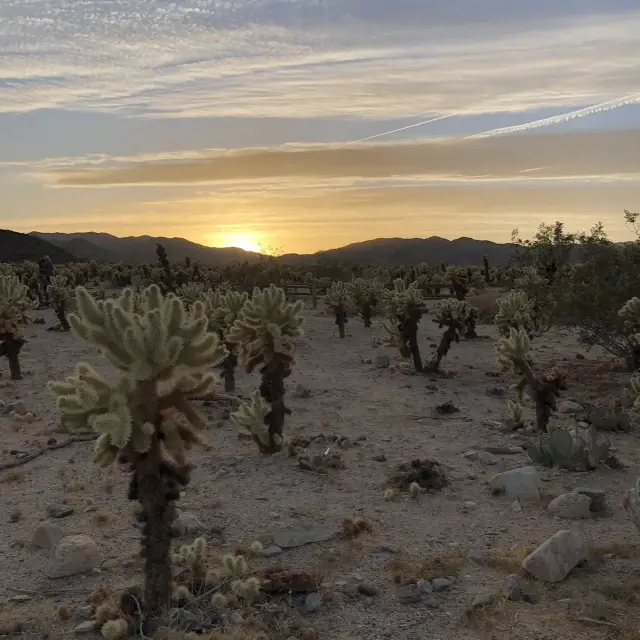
411,568
485,303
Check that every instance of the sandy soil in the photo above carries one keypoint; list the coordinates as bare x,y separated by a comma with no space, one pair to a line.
250,497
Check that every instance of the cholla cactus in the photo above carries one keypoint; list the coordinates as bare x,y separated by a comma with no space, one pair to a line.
265,332
516,411
337,299
14,308
539,293
61,296
630,315
194,557
190,292
144,416
404,306
514,311
513,353
456,315
365,295
459,279
223,308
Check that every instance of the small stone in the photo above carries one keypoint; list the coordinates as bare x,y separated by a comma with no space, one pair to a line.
572,506
432,603
469,505
301,534
522,483
59,511
47,535
86,627
312,602
17,405
569,406
20,597
379,457
441,584
512,588
345,443
556,557
425,586
481,600
85,611
516,507
479,557
598,498
446,408
389,548
488,458
504,451
73,555
301,392
381,362
187,523
498,391
409,594
271,551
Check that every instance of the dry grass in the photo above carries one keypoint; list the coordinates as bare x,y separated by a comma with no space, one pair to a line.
13,477
510,561
410,568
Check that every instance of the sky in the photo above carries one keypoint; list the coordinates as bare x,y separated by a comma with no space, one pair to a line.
302,125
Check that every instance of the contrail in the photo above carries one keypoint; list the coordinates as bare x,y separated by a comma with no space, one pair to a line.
411,126
563,117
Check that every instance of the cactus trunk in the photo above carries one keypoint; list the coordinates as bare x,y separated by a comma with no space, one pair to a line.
409,331
340,322
228,370
366,314
272,390
10,347
544,394
62,317
448,338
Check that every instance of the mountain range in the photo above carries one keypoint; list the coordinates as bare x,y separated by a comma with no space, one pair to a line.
104,247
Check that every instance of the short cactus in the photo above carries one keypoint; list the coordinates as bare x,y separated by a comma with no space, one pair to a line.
456,315
265,332
404,307
144,417
14,307
513,353
365,294
337,299
515,310
61,296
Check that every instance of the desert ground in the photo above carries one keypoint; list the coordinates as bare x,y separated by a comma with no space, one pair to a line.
462,531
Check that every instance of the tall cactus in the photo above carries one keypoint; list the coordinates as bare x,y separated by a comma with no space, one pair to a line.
404,306
365,295
14,307
456,315
144,417
337,299
61,296
265,332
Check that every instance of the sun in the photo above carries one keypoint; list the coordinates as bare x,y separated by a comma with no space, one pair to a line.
242,240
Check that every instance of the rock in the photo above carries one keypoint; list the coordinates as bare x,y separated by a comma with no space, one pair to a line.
86,627
271,551
569,406
20,597
432,603
554,559
86,611
446,408
59,511
479,557
345,443
498,391
409,594
572,506
73,555
481,600
17,405
522,483
47,535
185,620
516,507
381,362
441,584
312,602
424,586
379,457
504,451
301,392
187,523
488,458
301,534
389,548
598,498
368,590
468,505
512,588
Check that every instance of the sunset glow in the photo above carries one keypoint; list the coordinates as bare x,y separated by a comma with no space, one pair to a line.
241,240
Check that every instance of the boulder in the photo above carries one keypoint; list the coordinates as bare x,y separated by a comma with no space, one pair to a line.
572,506
554,559
522,483
47,535
73,555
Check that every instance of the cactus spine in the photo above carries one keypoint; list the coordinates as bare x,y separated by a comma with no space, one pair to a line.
265,331
14,307
144,417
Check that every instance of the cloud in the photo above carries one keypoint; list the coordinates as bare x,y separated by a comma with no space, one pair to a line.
315,58
602,155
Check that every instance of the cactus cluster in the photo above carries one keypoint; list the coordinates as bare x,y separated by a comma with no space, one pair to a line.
15,305
61,296
575,449
630,316
365,294
404,307
515,310
337,299
143,417
457,316
265,331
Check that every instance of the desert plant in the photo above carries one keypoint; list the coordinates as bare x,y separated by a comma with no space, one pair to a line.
143,417
337,299
265,332
630,315
574,449
486,271
513,353
456,315
365,295
404,307
515,310
14,307
459,279
61,296
164,263
222,309
190,292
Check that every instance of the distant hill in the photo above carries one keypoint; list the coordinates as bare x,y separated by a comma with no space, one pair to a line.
79,247
142,249
16,247
409,251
